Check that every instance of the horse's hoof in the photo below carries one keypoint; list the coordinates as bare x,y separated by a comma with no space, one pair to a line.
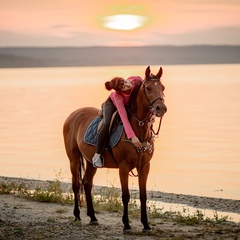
147,229
127,231
94,223
77,219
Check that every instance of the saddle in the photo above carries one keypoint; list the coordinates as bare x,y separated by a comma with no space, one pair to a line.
115,115
115,130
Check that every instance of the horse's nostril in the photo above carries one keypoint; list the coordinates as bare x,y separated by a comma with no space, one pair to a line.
161,108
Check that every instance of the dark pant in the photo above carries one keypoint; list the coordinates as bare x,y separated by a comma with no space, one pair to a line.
108,109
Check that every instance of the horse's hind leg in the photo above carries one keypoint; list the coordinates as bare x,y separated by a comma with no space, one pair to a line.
88,182
75,164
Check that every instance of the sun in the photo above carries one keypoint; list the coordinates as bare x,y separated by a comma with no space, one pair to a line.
124,21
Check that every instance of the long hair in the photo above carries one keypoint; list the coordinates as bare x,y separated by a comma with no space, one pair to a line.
116,83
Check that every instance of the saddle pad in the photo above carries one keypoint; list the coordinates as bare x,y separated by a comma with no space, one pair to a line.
90,136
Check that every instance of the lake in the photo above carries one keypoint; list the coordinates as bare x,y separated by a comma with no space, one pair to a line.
198,148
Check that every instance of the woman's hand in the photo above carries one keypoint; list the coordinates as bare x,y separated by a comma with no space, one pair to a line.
136,142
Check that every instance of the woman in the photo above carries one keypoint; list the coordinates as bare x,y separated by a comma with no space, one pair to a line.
117,100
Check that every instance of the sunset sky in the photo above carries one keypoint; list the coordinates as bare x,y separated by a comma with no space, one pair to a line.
119,22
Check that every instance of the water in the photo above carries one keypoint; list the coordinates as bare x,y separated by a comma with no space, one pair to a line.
198,148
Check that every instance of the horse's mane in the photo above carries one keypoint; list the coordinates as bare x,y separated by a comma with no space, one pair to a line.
132,101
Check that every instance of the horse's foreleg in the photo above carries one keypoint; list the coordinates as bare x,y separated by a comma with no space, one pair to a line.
88,182
142,179
123,173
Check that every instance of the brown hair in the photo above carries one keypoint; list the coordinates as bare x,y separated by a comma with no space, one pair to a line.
116,84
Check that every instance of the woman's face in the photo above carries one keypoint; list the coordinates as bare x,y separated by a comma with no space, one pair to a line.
126,86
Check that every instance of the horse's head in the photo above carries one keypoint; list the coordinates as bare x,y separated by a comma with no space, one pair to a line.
154,92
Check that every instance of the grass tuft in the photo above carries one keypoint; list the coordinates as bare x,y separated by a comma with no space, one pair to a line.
52,193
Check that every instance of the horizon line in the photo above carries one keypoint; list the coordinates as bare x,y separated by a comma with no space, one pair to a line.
101,46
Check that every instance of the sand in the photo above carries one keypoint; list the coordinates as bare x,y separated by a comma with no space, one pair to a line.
24,219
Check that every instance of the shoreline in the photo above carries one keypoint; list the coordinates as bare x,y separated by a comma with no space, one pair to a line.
199,202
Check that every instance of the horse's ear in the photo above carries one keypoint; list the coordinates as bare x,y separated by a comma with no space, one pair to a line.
160,72
147,72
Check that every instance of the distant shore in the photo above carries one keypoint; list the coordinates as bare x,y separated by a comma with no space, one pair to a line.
27,57
217,204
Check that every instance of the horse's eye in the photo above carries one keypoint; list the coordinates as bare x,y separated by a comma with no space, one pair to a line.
148,89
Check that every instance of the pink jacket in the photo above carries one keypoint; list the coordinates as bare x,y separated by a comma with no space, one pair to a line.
120,100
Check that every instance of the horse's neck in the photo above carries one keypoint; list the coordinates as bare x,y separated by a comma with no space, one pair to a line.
140,121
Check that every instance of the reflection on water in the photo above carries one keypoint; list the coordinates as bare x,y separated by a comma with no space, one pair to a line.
197,151
186,210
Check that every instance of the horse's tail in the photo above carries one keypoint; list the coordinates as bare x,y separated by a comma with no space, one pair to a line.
82,170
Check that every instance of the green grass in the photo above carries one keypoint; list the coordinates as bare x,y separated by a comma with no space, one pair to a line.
107,199
53,193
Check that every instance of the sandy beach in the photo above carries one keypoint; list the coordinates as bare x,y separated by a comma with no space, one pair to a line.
24,219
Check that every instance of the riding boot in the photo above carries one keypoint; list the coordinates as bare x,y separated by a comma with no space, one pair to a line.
97,160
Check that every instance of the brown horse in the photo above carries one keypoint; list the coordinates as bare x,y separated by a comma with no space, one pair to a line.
146,103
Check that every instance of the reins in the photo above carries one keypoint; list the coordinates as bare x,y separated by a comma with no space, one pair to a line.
141,124
132,174
159,126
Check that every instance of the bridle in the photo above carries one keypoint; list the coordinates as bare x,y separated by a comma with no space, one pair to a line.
147,120
150,113
144,91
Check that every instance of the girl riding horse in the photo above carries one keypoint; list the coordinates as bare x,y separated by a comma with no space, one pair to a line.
116,101
146,103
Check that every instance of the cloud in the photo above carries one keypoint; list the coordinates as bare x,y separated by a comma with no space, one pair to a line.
61,26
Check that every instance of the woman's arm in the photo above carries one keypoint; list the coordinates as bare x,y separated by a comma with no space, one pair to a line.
119,103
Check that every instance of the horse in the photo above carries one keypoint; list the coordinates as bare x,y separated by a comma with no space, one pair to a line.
146,104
